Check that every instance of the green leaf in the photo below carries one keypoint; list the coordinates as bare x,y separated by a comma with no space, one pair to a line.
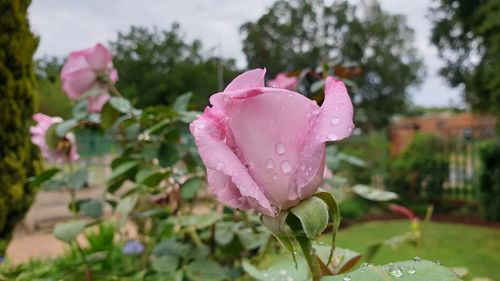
373,194
168,154
80,110
198,221
121,104
91,208
182,102
43,177
123,168
78,179
109,115
125,207
63,127
191,187
224,233
342,261
313,215
68,231
399,271
205,270
157,127
280,269
165,264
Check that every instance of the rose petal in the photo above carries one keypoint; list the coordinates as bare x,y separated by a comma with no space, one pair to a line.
269,129
95,103
333,123
99,57
78,82
217,155
250,79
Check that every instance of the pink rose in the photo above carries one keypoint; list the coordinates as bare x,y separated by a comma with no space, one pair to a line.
264,148
66,147
89,69
284,82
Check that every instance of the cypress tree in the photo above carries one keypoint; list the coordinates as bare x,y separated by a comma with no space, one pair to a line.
19,159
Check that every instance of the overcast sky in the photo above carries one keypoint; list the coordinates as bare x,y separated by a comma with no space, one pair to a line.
65,26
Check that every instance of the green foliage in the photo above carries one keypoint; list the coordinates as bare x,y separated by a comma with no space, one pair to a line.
418,174
19,159
466,34
156,66
489,180
52,100
296,35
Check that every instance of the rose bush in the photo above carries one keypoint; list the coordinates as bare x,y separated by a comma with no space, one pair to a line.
264,148
89,69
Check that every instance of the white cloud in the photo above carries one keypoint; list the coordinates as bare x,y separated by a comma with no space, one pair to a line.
65,26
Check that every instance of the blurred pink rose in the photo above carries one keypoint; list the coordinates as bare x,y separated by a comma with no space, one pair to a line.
89,69
264,148
284,82
66,147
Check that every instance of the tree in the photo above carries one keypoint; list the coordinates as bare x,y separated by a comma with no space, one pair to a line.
18,158
157,66
295,35
466,32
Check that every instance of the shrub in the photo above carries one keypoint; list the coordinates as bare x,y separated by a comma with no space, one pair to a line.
18,158
489,180
418,174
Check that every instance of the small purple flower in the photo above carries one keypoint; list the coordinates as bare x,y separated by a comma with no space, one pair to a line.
133,247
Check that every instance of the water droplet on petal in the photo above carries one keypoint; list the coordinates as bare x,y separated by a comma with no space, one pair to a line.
332,137
200,126
280,148
220,166
347,278
395,271
226,99
270,164
289,95
275,177
286,166
335,121
411,270
417,259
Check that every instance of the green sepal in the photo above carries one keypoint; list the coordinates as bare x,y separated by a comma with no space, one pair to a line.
330,200
281,230
313,216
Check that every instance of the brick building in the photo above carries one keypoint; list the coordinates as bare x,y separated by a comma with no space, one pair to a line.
447,125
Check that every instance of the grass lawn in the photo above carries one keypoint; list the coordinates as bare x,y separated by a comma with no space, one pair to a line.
454,245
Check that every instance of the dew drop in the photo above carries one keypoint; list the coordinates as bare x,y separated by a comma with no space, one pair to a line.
220,166
275,177
288,278
270,164
335,121
347,278
283,272
411,270
417,259
280,148
200,126
289,95
332,137
316,112
395,271
438,262
226,99
286,166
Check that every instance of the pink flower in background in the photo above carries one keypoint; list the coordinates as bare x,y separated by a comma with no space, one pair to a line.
89,69
264,148
284,82
402,210
66,147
